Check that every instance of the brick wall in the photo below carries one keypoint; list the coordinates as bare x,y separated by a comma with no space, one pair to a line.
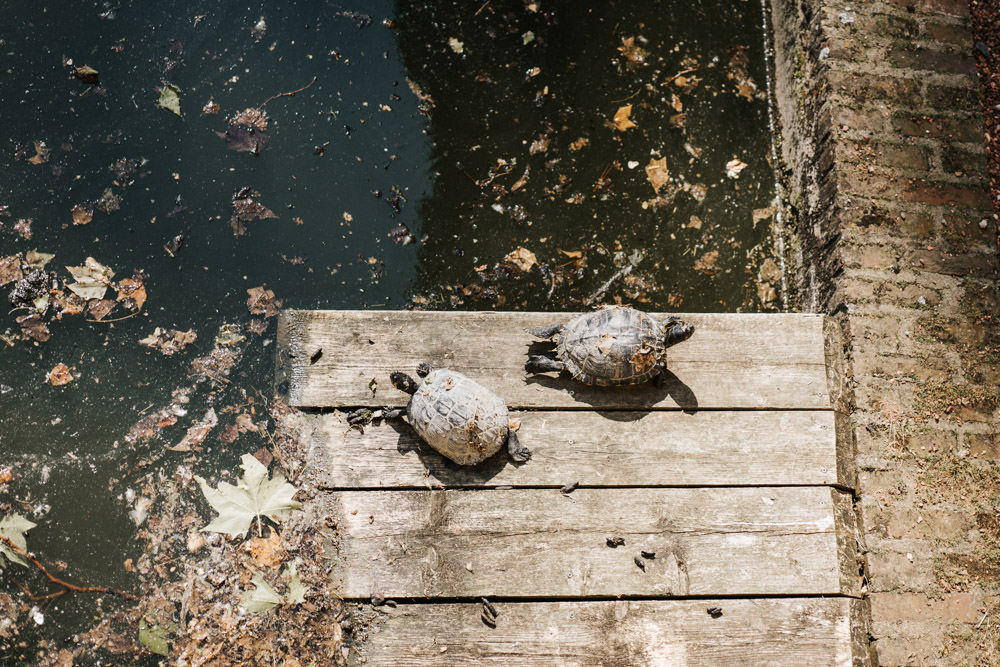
884,171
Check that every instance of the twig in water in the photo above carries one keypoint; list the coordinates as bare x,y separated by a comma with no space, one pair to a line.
65,584
622,272
288,94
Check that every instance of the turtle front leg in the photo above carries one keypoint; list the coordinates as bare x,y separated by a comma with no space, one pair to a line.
677,331
546,332
517,451
542,364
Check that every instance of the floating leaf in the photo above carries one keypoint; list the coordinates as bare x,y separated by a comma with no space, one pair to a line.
255,496
262,302
170,99
229,334
621,120
87,74
59,375
13,528
706,263
169,341
734,167
634,55
92,279
37,260
267,551
132,292
41,153
10,269
522,258
82,214
196,434
153,637
656,172
263,598
456,46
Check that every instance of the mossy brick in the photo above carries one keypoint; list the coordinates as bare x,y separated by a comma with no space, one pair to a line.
895,648
906,156
875,88
922,369
888,25
957,8
956,128
983,445
901,572
906,295
926,523
869,256
950,33
955,98
865,121
938,193
978,264
956,159
949,331
882,332
960,607
934,61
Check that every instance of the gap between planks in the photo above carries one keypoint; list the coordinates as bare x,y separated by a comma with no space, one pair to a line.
782,631
733,361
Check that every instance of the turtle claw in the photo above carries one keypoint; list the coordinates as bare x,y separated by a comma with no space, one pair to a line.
542,364
517,451
546,332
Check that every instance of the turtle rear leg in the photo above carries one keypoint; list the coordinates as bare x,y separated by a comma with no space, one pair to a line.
542,364
546,332
517,451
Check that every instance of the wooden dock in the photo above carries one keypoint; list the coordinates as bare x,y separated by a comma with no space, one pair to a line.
736,474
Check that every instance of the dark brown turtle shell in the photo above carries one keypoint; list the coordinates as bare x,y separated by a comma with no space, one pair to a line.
612,346
458,417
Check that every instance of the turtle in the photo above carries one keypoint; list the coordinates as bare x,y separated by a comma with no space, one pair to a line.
458,417
612,346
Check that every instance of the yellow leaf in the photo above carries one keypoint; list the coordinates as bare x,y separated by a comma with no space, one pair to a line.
622,121
656,172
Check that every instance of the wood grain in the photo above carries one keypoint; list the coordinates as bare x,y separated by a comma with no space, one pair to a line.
758,361
540,543
659,448
785,631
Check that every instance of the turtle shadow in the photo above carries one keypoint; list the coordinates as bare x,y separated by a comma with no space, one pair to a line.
441,469
641,399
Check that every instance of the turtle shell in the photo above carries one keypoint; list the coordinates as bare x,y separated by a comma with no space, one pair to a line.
612,346
458,417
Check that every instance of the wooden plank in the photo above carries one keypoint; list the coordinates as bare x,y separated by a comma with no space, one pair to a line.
758,361
742,448
540,543
783,631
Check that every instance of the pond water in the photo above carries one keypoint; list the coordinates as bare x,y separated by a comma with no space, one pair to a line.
513,155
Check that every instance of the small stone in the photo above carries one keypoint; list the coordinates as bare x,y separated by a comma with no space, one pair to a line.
983,224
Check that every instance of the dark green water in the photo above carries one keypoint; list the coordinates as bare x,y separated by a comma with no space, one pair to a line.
532,88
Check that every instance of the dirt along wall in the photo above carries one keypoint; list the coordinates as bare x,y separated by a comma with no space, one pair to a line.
881,140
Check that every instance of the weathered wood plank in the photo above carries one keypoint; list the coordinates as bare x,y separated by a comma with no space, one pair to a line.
742,448
785,631
542,543
759,361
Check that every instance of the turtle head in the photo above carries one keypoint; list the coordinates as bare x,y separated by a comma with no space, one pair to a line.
404,382
424,369
677,332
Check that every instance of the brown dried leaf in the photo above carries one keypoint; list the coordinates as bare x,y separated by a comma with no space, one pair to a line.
246,208
262,302
621,119
132,292
169,342
694,222
10,269
196,434
769,271
41,153
34,327
59,375
98,309
760,214
267,551
634,55
522,258
82,214
656,172
579,144
87,74
706,263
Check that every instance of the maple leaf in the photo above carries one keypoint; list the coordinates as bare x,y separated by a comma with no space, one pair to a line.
264,597
253,497
13,528
92,279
